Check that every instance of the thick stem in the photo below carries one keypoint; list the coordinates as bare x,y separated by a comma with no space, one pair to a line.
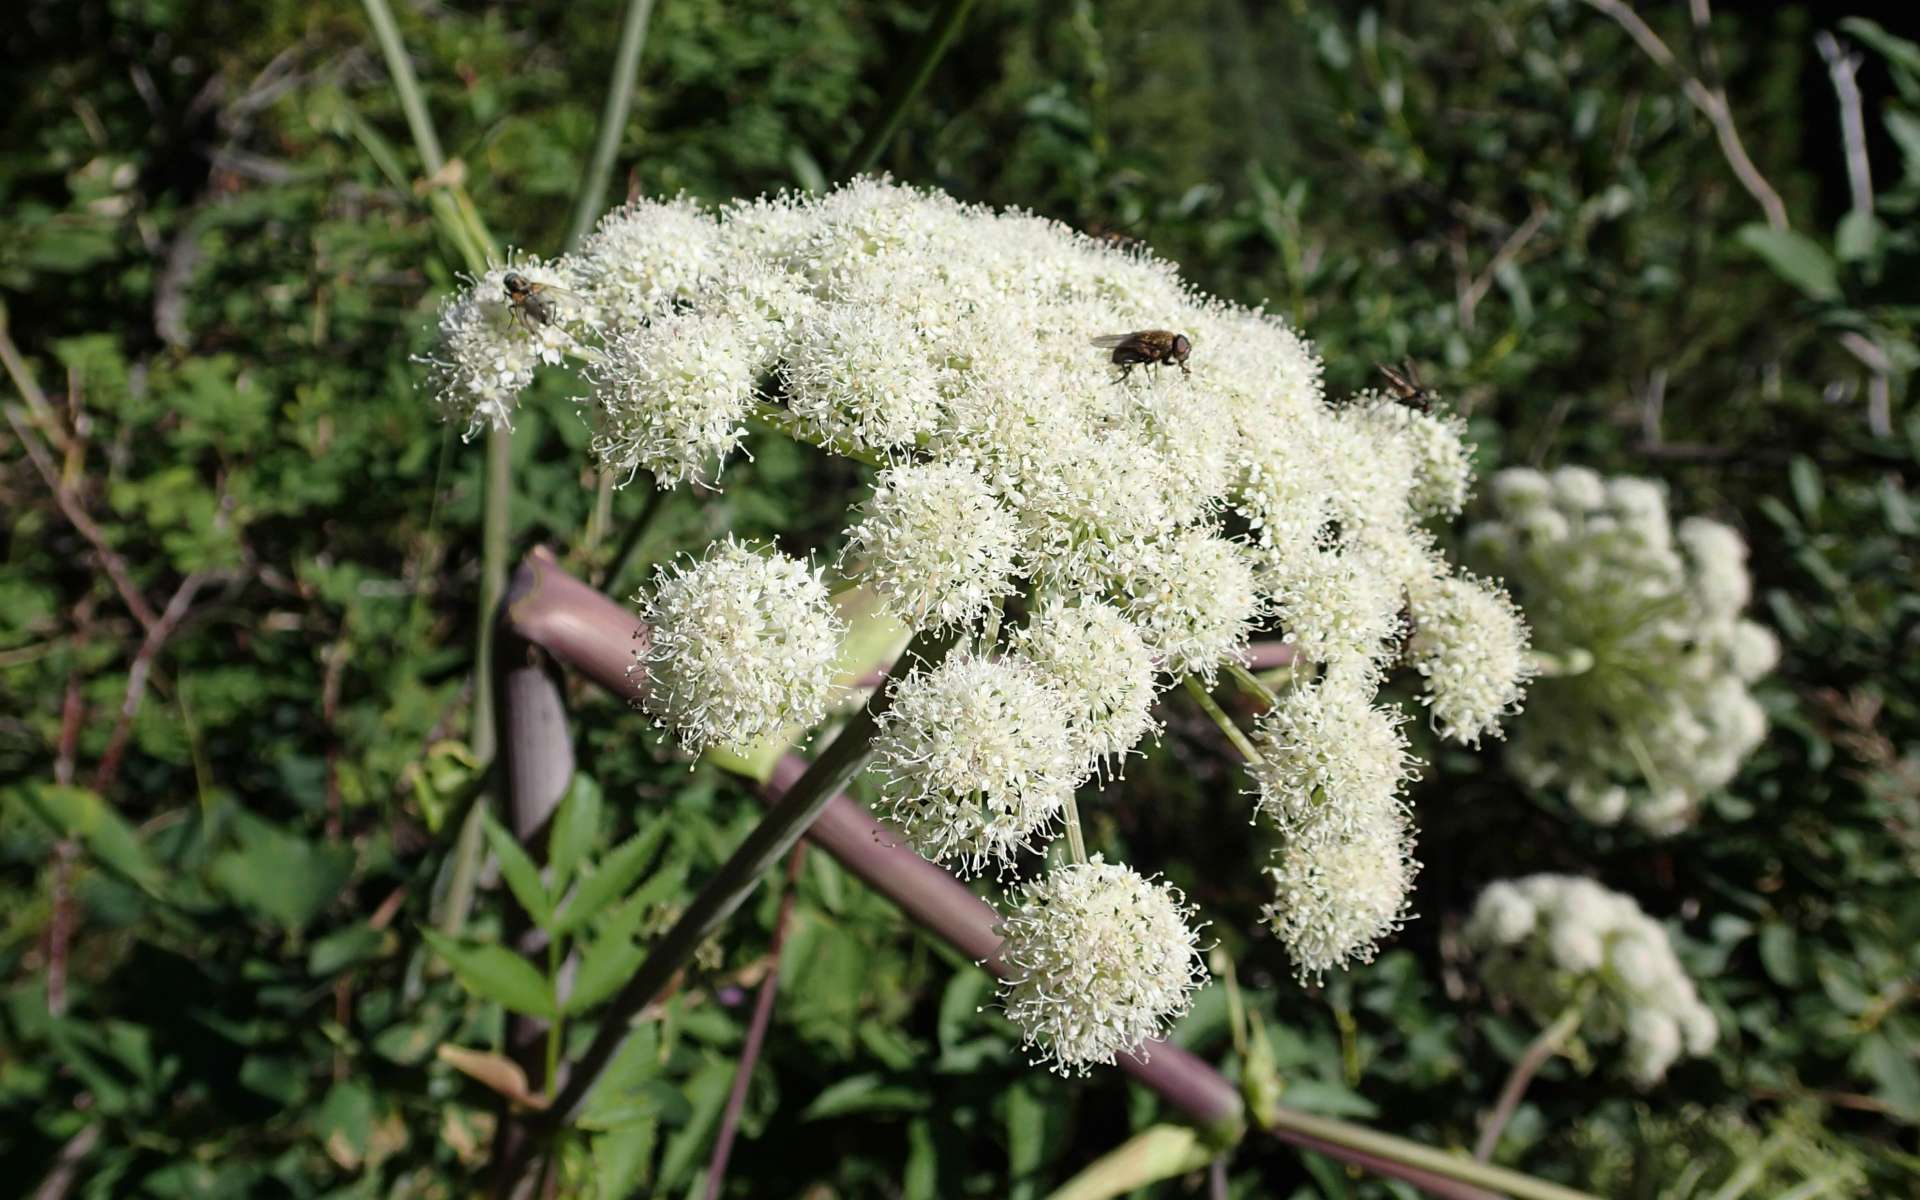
733,883
535,767
594,635
1211,707
1538,1051
933,47
1456,1167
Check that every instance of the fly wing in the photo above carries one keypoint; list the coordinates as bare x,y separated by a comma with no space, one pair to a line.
1110,340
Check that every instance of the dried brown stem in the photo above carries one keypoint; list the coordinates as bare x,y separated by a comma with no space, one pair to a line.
143,659
1712,104
1842,69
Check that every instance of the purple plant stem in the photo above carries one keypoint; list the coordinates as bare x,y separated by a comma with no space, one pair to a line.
596,636
537,764
756,1033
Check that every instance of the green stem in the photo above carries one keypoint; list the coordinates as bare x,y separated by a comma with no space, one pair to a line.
613,120
400,68
1076,847
593,193
554,1037
495,528
933,47
779,420
736,879
630,542
1538,1051
1252,684
1425,1158
1212,708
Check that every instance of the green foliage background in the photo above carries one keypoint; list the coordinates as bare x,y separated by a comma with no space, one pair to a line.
215,260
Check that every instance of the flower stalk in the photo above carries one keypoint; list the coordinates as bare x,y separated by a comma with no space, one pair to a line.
590,633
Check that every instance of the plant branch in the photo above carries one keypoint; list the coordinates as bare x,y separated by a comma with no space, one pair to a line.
1842,69
613,120
734,882
592,634
756,1032
1712,104
63,495
1211,707
150,646
1538,1051
933,47
400,69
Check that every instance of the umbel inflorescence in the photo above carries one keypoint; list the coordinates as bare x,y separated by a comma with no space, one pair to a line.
1086,539
1649,710
1552,943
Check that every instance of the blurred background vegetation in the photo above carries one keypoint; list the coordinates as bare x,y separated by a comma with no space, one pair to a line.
237,592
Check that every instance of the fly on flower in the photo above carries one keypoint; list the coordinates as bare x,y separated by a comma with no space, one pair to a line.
1406,386
1147,347
530,303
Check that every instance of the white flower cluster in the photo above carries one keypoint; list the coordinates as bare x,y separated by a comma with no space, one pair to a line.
1649,709
1145,521
1555,941
1097,960
739,646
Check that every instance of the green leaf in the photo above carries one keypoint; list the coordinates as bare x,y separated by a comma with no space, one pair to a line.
706,1092
343,948
78,813
617,873
921,1179
1859,237
575,826
1795,258
1805,479
868,1092
623,1157
493,972
1778,954
1898,51
607,963
280,875
520,873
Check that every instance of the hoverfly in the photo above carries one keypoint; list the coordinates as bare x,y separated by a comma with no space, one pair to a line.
530,303
1406,386
1147,347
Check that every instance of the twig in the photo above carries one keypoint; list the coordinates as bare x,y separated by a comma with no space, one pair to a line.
30,390
1879,389
150,646
1712,103
1653,405
76,514
1476,289
756,1032
1212,708
1842,68
66,1167
1538,1051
